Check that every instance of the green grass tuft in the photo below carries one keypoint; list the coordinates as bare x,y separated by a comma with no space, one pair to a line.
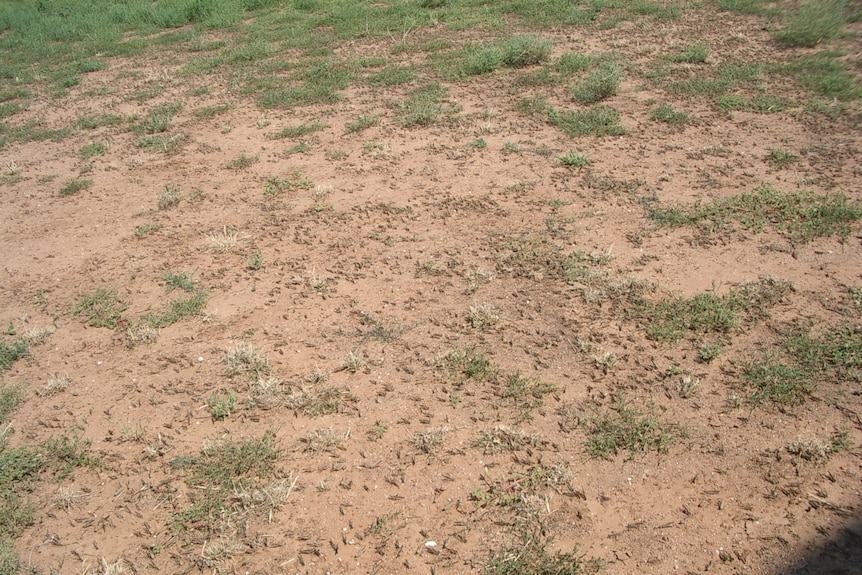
600,84
72,187
597,121
801,215
624,428
102,309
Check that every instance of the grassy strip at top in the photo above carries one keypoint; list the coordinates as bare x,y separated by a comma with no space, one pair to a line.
801,215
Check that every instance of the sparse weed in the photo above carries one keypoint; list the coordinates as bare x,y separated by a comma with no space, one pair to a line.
242,162
181,281
12,352
353,361
812,22
169,198
624,428
320,400
102,309
158,120
276,185
575,159
599,85
223,241
56,383
297,131
244,359
781,158
208,112
505,438
362,122
324,440
72,187
693,54
92,150
146,229
665,113
176,310
431,440
141,333
483,316
801,215
221,406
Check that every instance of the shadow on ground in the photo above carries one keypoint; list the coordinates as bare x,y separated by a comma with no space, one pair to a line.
840,554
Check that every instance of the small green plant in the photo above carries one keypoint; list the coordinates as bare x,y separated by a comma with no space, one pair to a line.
255,260
163,143
362,122
665,113
624,428
276,185
208,112
12,352
529,555
169,198
469,364
72,187
242,162
93,149
158,120
182,281
693,54
221,406
65,453
600,84
511,148
102,309
781,158
521,51
146,229
377,431
575,159
479,143
597,121
297,131
176,310
423,105
709,351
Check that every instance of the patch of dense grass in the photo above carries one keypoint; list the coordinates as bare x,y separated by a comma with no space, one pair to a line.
11,352
812,22
597,121
824,74
807,360
800,215
424,106
178,309
600,84
672,319
624,428
102,309
231,472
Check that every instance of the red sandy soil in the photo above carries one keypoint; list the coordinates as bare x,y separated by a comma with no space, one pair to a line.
727,497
